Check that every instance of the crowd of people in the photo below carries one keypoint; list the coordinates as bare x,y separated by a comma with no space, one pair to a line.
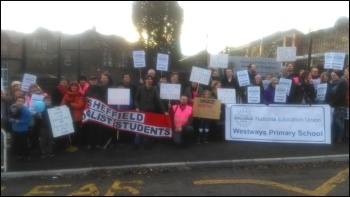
31,131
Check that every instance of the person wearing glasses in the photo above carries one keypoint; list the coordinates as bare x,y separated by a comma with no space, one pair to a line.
269,94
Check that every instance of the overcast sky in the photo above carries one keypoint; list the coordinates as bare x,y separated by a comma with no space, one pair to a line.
226,23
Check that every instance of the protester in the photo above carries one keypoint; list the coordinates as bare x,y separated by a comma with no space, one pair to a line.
182,119
304,92
204,124
83,85
20,128
147,99
46,135
269,93
59,92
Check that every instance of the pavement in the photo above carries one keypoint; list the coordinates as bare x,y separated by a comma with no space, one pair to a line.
217,153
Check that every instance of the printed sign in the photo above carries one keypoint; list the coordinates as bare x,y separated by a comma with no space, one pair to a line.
280,94
118,96
206,108
302,124
139,59
321,91
61,121
200,75
227,95
162,62
334,60
254,94
218,61
286,54
27,81
264,65
170,91
243,78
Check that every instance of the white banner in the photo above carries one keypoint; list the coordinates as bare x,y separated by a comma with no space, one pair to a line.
218,61
118,96
27,81
278,123
170,91
61,121
139,59
162,62
227,95
200,75
286,54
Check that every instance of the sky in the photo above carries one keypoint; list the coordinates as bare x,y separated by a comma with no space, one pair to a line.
207,25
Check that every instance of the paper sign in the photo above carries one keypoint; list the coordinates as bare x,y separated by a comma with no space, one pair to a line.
27,81
218,61
118,96
139,59
170,91
200,75
61,121
321,91
287,83
243,78
286,54
206,108
254,94
280,94
334,60
227,95
162,62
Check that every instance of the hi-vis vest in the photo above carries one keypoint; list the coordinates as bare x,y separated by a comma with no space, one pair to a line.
181,116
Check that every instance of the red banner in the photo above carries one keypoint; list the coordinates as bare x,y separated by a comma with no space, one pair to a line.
144,123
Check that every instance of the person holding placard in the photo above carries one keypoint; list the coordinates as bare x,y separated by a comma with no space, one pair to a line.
92,129
147,99
324,79
252,72
46,136
290,69
35,92
133,87
258,82
304,92
195,90
74,100
269,93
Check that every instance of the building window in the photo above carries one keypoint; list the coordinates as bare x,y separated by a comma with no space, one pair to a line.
4,72
107,59
67,60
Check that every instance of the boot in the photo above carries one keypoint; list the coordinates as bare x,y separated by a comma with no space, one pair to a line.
205,138
199,136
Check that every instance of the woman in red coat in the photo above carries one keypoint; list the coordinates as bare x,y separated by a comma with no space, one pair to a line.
74,99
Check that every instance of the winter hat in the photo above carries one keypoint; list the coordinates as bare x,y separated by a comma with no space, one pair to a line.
15,83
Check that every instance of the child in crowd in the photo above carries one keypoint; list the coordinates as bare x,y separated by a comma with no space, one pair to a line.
46,136
20,118
204,124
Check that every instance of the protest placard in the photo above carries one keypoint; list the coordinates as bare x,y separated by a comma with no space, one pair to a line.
227,95
243,78
27,81
218,61
162,62
118,96
170,91
253,94
200,75
61,121
139,59
334,60
286,54
206,108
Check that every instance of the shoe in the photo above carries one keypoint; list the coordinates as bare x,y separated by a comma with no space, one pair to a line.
199,141
43,156
135,147
50,154
205,140
98,147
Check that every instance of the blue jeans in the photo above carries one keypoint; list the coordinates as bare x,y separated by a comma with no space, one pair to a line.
338,122
141,138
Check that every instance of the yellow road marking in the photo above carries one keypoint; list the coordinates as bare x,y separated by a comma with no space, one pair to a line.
320,191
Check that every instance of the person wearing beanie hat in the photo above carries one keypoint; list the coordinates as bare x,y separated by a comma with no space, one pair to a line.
16,85
83,84
337,100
